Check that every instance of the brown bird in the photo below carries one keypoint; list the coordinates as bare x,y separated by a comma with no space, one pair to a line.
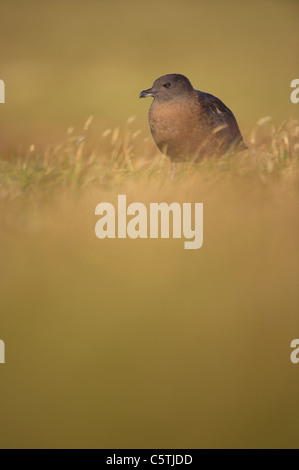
187,124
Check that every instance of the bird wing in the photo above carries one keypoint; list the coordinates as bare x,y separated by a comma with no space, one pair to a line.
220,113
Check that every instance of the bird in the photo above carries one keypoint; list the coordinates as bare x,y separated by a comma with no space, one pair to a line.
188,124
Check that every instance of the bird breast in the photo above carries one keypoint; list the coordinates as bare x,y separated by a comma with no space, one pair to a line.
172,125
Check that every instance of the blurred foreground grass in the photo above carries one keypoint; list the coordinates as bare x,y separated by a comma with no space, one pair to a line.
140,343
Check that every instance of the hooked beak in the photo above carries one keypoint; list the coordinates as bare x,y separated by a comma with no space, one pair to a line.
146,93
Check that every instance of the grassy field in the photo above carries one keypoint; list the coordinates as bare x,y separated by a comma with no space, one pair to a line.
140,343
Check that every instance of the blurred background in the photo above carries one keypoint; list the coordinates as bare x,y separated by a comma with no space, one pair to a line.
132,344
64,61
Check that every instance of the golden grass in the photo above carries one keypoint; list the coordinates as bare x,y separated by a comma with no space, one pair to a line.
124,156
137,343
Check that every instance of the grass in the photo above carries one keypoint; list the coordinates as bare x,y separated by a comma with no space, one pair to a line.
137,343
78,164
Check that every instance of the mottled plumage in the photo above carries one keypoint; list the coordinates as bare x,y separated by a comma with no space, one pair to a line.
187,124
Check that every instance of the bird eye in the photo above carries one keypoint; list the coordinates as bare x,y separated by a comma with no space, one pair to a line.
167,85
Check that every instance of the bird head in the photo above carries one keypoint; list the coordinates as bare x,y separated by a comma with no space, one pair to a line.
168,87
